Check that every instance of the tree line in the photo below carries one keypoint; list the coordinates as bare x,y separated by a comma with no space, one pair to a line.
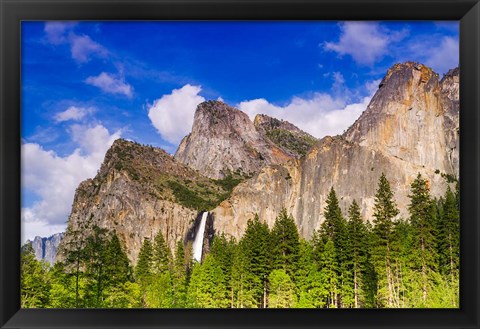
348,263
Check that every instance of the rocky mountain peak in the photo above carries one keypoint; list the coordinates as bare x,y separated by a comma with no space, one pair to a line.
404,117
224,141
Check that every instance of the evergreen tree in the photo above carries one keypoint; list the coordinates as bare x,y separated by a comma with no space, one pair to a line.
422,219
310,291
402,281
74,252
335,228
385,210
126,295
117,265
281,290
357,233
256,245
143,270
179,277
34,281
95,267
328,274
332,225
62,291
162,255
206,288
285,245
244,283
159,293
448,240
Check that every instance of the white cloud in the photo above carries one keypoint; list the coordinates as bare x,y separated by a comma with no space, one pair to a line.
73,113
110,84
56,31
443,57
82,47
365,42
320,115
172,114
53,178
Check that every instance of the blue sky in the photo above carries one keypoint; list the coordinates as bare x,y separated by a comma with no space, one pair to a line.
84,84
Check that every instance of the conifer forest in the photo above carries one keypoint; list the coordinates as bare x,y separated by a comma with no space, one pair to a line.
350,262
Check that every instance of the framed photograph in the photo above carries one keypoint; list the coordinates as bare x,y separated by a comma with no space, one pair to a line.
239,164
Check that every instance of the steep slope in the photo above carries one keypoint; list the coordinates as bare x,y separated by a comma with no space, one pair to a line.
285,135
224,141
410,126
46,248
139,191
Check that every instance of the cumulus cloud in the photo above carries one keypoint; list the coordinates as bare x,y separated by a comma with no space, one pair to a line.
365,42
320,115
73,113
53,178
82,47
111,84
172,114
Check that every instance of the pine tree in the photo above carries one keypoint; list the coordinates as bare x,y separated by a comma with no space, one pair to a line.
285,245
63,287
117,265
207,285
255,243
385,210
75,257
332,227
179,277
244,283
449,240
328,274
143,270
95,266
281,290
357,233
159,293
162,255
335,228
310,291
422,219
34,282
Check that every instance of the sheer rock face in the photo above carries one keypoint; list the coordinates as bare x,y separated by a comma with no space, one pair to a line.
451,105
224,141
46,248
409,127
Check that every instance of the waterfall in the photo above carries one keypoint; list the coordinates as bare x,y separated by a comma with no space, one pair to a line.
198,242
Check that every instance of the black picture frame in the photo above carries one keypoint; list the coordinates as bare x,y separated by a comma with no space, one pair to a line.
12,12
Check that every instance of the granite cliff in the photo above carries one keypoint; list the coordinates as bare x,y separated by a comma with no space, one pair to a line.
409,127
46,248
235,168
